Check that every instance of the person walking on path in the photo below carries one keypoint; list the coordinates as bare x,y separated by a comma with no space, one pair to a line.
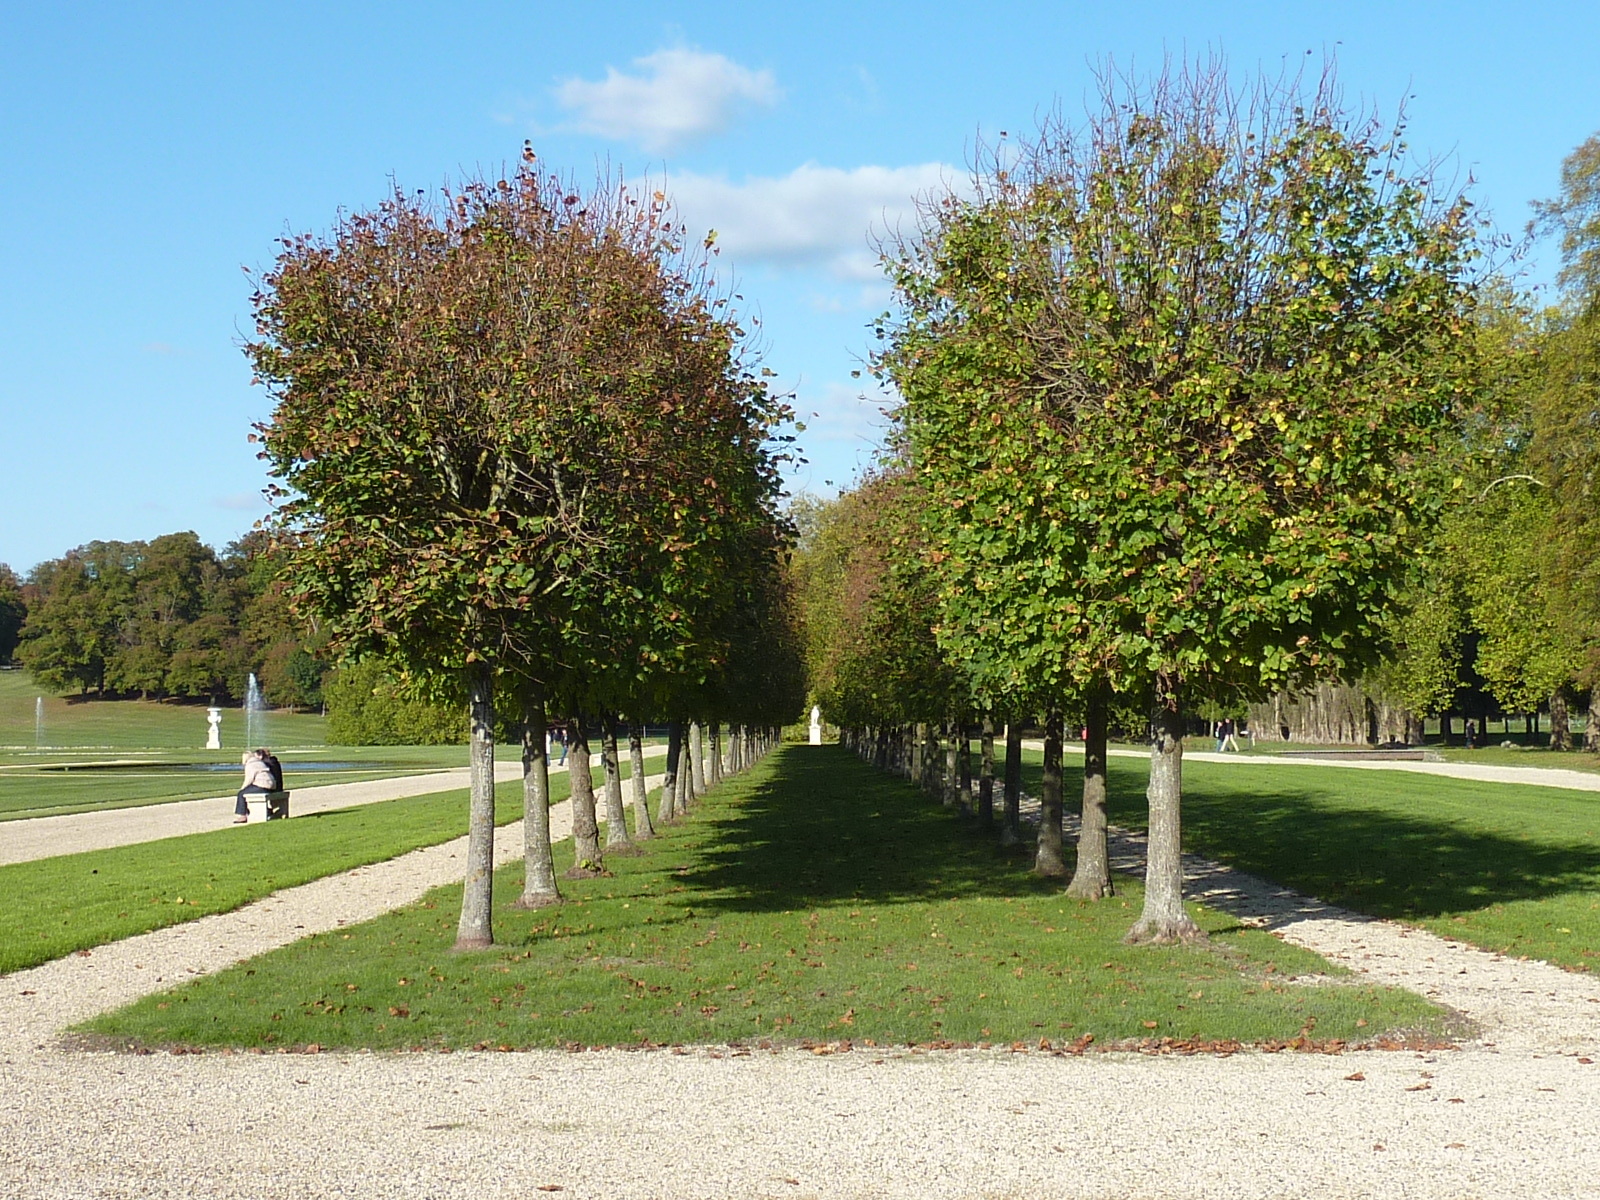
258,781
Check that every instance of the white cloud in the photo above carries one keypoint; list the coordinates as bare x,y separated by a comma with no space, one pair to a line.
814,216
676,97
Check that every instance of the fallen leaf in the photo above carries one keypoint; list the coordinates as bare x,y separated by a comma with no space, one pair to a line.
1420,1087
1148,1024
1358,1077
551,1187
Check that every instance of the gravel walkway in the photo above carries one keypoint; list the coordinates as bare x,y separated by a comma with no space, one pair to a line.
1515,1113
44,837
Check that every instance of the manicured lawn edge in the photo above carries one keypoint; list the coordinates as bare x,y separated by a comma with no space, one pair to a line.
53,907
810,899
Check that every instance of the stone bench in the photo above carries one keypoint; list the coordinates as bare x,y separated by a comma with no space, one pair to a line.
267,806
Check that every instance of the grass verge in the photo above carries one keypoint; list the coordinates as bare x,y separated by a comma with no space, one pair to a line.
1505,867
810,898
54,906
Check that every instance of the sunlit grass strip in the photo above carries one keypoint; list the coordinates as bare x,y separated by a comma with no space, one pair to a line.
1510,868
812,898
54,906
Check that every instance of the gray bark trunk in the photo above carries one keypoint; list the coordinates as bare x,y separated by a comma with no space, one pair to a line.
477,897
919,752
697,756
964,768
1164,919
611,760
539,887
685,785
1048,860
585,826
1011,829
714,761
643,829
949,789
1091,878
1591,730
1560,721
667,809
986,775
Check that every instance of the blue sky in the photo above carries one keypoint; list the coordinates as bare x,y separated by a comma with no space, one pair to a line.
149,152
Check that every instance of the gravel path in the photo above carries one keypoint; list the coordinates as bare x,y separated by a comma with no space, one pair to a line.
1514,1113
44,837
1556,777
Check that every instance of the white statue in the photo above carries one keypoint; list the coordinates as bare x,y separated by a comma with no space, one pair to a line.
214,729
816,726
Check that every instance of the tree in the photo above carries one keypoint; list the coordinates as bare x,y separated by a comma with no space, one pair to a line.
13,612
1565,449
1170,382
502,416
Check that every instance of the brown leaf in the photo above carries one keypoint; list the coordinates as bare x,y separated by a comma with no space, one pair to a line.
1358,1077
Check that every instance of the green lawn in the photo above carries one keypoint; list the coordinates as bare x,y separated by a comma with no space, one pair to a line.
54,906
81,722
102,754
811,898
56,783
1506,867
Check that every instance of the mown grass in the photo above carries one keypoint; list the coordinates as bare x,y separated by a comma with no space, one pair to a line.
811,898
54,906
57,784
73,721
1507,867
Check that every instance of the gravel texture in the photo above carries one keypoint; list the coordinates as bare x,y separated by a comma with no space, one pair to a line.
44,837
1513,1113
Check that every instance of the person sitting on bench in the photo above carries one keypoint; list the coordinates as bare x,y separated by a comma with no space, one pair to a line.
258,781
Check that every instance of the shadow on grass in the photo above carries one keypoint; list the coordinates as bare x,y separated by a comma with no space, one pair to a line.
1401,847
824,827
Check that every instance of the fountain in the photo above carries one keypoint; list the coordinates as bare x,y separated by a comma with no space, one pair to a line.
255,714
38,722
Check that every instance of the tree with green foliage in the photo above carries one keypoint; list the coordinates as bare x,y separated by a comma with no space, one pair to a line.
1171,381
489,406
13,612
1565,449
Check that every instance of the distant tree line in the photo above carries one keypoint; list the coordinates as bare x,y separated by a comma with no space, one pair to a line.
166,618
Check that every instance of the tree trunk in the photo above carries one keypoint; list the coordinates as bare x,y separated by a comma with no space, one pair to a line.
685,778
668,807
1011,829
1560,721
1091,879
585,827
539,867
986,775
643,829
964,768
1164,919
611,760
714,759
919,752
948,787
475,931
1048,860
697,756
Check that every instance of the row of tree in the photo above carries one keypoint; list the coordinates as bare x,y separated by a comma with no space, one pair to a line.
523,457
1195,396
165,618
